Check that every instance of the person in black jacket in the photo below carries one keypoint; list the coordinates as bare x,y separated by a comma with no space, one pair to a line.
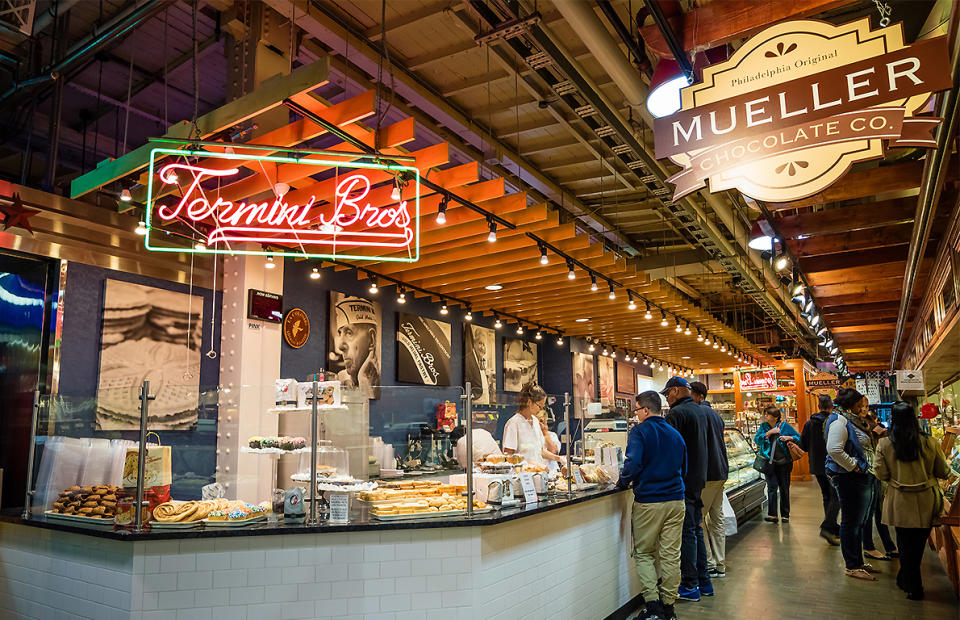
814,442
691,421
718,468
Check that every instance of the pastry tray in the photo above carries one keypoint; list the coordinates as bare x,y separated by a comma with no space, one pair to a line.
239,523
278,451
428,515
101,524
174,525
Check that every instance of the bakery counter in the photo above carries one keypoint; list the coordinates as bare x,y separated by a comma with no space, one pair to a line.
564,558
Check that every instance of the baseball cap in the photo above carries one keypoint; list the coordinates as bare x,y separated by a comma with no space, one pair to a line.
675,382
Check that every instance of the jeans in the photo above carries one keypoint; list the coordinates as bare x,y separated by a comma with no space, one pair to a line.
856,494
910,542
876,514
693,551
831,505
779,480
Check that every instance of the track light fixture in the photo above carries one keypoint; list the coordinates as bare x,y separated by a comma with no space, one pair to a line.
612,294
395,192
539,335
125,195
605,351
468,316
716,345
613,354
497,324
270,264
663,319
632,305
593,282
592,347
442,210
678,328
686,332
443,310
647,315
519,330
141,228
559,340
374,289
315,274
699,335
492,235
543,255
402,297
571,274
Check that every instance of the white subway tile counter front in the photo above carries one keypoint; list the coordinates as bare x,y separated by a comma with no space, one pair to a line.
570,562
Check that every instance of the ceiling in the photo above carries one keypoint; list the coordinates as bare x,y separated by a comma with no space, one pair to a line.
512,105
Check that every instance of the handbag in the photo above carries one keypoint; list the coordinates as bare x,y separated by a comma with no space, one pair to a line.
761,464
796,452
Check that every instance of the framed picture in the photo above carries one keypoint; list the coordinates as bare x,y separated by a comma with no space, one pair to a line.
353,342
480,363
584,388
149,334
606,380
423,350
519,364
626,381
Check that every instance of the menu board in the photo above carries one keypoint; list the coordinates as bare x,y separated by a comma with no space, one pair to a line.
758,380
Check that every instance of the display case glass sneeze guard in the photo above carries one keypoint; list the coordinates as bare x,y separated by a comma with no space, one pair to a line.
224,456
740,457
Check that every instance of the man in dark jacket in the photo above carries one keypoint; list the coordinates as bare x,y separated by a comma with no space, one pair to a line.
718,468
654,466
690,420
812,440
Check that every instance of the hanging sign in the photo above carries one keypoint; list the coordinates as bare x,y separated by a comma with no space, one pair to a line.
228,203
799,103
758,380
910,380
823,383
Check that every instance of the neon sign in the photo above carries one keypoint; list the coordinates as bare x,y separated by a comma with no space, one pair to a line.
342,215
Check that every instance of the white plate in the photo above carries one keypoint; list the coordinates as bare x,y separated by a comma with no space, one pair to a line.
100,524
209,523
428,515
174,525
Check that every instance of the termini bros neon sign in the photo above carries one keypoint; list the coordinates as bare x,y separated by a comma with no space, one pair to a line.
342,216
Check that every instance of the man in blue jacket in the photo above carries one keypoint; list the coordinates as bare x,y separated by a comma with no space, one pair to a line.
655,464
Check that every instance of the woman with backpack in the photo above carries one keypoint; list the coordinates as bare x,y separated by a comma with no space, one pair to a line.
772,440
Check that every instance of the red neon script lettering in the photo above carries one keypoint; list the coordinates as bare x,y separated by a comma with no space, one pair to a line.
281,222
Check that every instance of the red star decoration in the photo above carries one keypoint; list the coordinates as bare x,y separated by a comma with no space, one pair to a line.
17,215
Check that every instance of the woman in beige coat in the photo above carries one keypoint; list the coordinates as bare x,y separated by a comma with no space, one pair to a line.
910,464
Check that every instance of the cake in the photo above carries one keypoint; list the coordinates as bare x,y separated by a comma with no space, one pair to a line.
299,442
217,515
255,442
286,443
268,442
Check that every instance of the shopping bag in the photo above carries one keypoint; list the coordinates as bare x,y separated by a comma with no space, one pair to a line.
729,517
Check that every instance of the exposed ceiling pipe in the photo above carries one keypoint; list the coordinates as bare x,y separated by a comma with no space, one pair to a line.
56,8
109,32
934,174
598,40
660,19
633,43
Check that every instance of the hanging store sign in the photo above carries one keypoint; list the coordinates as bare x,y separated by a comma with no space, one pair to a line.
798,104
758,380
822,383
228,203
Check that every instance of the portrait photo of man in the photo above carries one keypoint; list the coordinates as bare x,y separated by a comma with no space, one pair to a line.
354,342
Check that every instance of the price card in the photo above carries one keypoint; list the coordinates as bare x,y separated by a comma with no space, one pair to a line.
529,490
577,476
339,507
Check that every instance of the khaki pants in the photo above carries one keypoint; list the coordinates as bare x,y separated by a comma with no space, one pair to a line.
656,546
714,536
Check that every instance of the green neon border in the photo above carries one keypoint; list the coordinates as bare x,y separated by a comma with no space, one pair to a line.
281,159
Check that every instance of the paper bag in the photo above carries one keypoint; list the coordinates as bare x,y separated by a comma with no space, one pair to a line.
156,470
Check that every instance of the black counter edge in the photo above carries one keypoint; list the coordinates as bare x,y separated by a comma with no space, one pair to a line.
494,518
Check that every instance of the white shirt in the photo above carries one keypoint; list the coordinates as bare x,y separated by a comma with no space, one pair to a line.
524,437
483,444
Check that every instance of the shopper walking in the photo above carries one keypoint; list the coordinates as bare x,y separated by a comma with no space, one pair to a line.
771,441
654,467
718,468
910,464
850,459
875,511
691,422
814,443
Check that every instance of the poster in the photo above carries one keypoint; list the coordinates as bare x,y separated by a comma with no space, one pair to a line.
149,334
480,363
626,382
423,350
353,342
519,364
584,389
606,380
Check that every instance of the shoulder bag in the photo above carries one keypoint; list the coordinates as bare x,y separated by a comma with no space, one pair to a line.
762,463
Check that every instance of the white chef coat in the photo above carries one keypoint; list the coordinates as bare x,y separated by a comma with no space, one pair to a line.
526,438
553,466
483,444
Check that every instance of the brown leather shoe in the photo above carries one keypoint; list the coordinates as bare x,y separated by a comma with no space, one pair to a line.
859,573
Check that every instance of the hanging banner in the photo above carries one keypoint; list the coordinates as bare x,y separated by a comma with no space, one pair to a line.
236,203
799,103
823,383
910,380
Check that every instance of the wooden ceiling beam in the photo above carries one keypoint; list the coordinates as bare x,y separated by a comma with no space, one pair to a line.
842,260
848,219
861,184
859,329
405,19
856,274
717,23
884,236
890,293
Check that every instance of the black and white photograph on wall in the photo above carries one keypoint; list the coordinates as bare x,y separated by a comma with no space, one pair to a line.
353,342
626,381
606,380
480,363
584,389
423,350
519,364
155,335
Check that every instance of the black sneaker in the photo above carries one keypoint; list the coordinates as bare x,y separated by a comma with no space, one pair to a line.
651,611
770,519
669,613
716,574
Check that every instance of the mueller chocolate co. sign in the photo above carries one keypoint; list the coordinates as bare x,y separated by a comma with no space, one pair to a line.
798,104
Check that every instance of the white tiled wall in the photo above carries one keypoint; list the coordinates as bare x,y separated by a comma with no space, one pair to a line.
568,563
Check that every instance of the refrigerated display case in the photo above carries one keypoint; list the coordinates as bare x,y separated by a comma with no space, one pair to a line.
744,486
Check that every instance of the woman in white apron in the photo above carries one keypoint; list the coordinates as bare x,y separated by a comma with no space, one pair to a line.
523,434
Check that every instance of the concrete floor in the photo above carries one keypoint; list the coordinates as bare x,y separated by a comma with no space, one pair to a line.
788,571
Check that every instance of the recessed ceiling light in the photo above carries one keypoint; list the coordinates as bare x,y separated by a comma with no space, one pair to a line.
581,320
636,338
685,357
663,348
704,363
493,287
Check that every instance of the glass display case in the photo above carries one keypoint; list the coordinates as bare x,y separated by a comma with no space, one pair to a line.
744,486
